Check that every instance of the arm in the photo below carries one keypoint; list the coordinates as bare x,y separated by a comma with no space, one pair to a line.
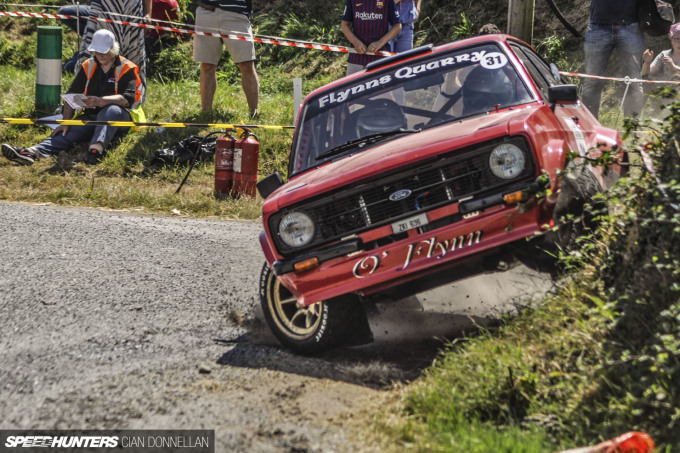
359,46
668,61
125,97
67,114
417,3
103,101
647,58
148,8
387,37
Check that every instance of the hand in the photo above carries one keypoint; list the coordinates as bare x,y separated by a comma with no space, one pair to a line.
375,46
61,129
648,56
668,62
92,101
360,47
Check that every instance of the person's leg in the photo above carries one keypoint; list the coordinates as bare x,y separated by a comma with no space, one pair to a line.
630,46
104,134
78,25
208,85
75,134
598,47
207,51
243,54
404,40
251,85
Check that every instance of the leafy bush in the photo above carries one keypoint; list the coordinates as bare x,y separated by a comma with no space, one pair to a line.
599,358
172,60
638,382
19,53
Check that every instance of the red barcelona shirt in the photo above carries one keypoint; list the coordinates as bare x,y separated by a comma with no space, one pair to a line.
370,19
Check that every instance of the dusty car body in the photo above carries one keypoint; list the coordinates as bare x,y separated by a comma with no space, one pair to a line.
426,168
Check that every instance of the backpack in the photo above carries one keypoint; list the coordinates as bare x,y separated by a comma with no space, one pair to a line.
655,17
183,152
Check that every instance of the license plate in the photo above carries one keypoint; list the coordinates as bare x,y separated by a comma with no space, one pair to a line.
410,223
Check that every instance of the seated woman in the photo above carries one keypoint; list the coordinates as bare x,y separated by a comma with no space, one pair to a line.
666,65
112,87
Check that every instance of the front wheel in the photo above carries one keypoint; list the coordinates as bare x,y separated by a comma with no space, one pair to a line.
576,211
311,329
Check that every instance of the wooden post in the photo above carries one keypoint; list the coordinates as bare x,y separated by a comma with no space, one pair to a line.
297,97
521,19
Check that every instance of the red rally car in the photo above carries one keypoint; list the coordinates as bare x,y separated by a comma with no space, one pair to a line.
421,170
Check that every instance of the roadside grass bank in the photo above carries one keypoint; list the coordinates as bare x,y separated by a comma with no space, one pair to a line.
598,358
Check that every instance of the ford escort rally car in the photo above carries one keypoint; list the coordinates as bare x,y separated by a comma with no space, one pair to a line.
426,168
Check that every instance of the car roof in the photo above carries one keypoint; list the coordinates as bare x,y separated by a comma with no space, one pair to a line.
414,54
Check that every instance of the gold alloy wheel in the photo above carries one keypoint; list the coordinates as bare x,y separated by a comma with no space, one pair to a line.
299,322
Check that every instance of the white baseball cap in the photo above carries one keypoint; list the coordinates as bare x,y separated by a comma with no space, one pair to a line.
102,41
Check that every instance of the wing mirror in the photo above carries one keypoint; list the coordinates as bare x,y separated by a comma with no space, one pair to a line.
269,184
562,93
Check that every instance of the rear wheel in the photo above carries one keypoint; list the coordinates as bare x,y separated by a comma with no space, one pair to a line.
310,329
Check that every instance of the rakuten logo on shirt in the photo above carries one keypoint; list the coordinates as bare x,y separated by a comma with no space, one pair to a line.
368,16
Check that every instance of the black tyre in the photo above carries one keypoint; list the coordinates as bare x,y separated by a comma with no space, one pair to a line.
312,329
575,211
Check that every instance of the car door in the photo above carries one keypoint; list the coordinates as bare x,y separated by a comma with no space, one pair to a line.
579,125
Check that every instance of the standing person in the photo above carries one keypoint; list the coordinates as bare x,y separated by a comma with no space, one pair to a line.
161,11
226,17
409,10
367,26
613,25
130,38
666,65
112,88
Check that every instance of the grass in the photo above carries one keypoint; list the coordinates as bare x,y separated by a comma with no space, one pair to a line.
126,179
599,358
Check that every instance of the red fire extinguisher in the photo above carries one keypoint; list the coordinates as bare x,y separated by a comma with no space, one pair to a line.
224,165
246,156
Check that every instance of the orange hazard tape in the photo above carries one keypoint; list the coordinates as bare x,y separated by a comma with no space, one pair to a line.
263,40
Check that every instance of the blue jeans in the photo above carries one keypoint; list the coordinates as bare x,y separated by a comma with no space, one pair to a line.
77,25
70,10
404,40
93,134
600,43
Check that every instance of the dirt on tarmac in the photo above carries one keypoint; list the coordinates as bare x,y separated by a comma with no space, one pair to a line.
116,320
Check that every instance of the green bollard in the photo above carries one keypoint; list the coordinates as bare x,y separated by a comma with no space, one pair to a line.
48,68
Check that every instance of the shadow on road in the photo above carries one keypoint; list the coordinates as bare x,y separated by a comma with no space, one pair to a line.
408,334
407,339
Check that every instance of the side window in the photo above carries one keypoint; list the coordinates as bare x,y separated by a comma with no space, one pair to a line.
538,69
543,67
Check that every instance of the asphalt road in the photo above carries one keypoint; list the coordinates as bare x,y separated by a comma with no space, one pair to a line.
116,320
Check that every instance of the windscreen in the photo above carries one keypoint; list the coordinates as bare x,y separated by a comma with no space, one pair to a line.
418,95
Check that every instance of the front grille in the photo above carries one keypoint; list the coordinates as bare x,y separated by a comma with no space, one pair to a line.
450,178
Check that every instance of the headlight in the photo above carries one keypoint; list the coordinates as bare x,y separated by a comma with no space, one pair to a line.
296,229
506,161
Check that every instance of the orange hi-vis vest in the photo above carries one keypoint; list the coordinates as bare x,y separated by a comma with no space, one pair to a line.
125,65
